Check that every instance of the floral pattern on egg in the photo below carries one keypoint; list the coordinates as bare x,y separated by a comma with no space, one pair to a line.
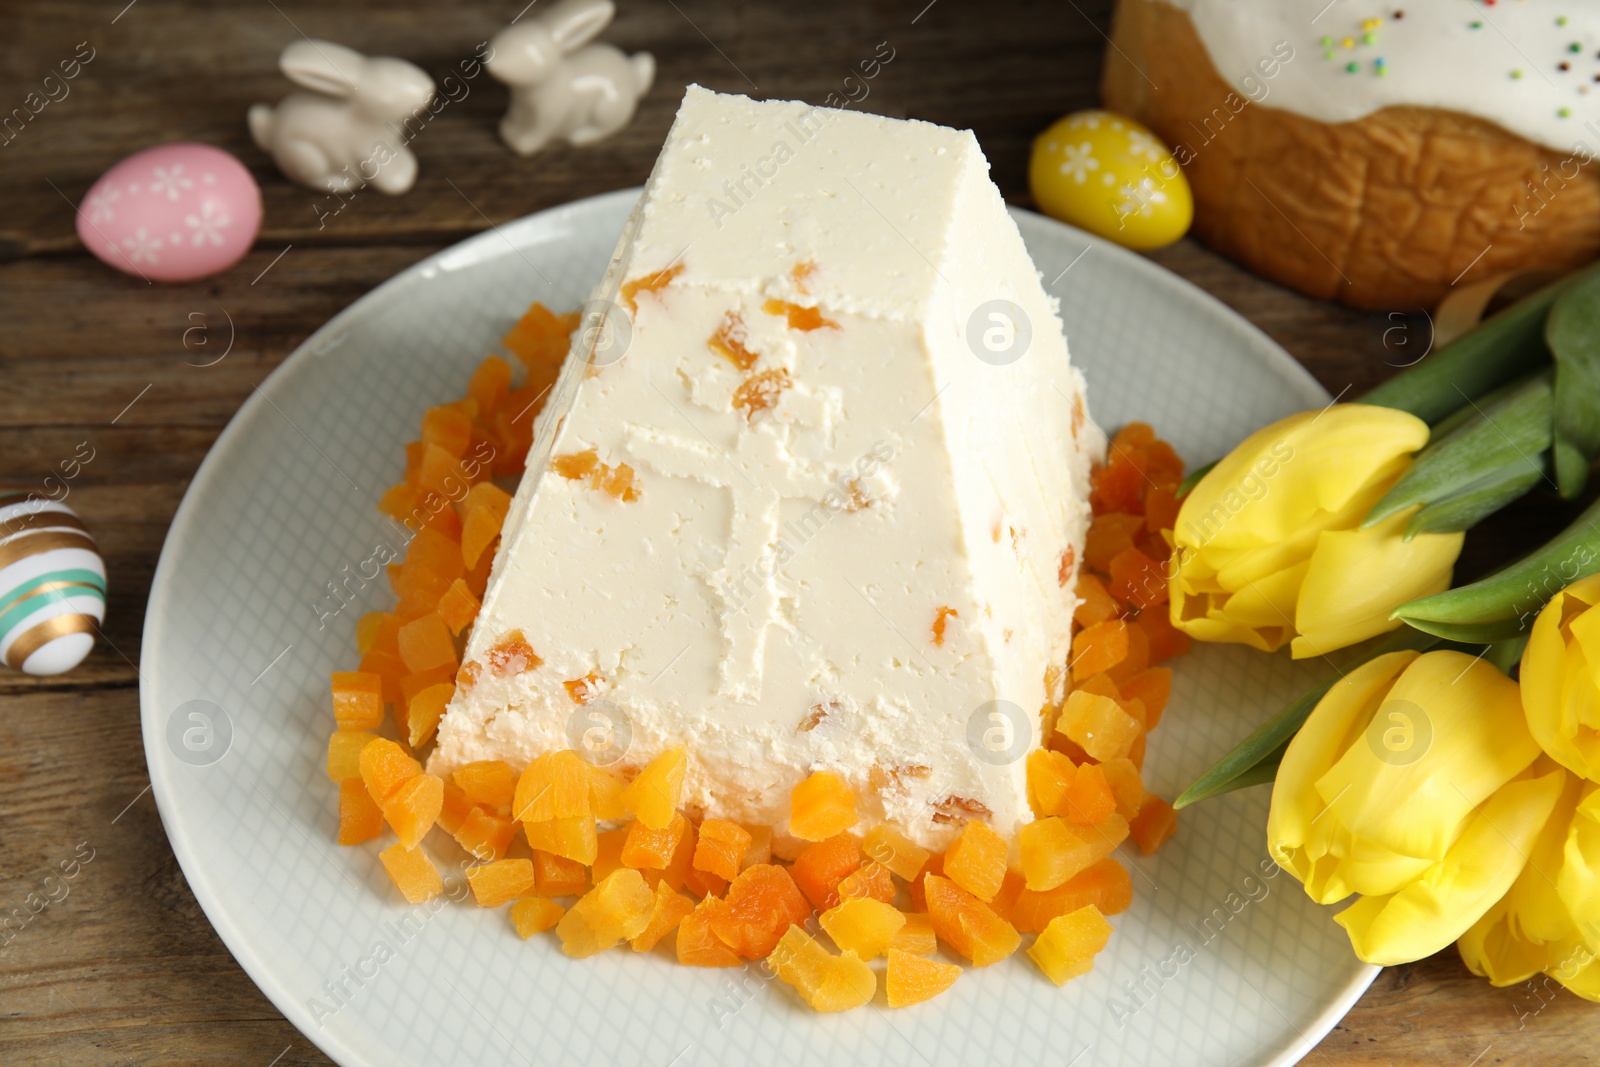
1107,174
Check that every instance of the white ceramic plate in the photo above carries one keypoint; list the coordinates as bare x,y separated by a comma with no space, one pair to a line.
1213,964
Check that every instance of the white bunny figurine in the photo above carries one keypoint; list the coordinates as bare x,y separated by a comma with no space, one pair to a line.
562,87
348,131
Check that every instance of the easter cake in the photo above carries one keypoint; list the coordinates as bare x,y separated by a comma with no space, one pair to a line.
1376,154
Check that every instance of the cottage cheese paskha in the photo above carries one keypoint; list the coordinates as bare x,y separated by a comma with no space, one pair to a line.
814,496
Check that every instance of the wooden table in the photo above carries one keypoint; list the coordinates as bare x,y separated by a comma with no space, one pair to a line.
125,969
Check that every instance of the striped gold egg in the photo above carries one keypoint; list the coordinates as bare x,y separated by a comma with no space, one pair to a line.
52,585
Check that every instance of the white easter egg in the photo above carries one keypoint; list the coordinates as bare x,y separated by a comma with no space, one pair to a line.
52,585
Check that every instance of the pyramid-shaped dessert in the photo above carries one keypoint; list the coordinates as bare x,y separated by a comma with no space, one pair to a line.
810,491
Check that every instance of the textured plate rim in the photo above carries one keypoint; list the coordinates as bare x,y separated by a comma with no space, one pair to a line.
466,252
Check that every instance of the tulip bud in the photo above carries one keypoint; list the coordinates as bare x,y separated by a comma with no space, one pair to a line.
1561,678
1269,544
1412,783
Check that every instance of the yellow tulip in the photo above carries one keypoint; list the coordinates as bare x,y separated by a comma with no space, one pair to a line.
1548,920
1270,547
1413,783
1561,678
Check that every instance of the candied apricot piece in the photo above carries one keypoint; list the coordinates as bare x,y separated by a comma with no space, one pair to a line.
489,383
458,607
357,700
1067,947
413,873
608,852
535,915
976,861
917,886
1155,822
359,818
414,808
761,903
426,644
1117,486
1096,604
489,782
486,835
1053,851
697,945
863,926
554,786
1137,579
1136,660
1165,639
910,979
424,711
448,427
940,619
821,866
575,837
344,753
680,870
761,391
454,809
497,883
760,848
721,846
798,316
511,655
605,793
1160,508
1152,688
820,807
916,936
653,282
1105,884
666,911
1163,464
558,876
1099,724
895,851
871,879
618,909
1050,775
653,796
1099,647
385,767
823,980
653,849
1136,752
1109,534
1089,797
585,466
1127,786
398,501
967,924
731,341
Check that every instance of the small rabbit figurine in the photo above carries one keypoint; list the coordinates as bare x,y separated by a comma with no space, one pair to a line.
562,87
348,131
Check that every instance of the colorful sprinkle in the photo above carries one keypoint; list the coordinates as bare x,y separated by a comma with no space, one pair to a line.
1516,75
1565,112
1352,67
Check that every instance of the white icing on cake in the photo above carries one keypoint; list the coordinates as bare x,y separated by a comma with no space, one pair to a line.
1499,62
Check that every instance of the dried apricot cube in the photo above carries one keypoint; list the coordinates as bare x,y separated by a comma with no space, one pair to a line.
1165,639
344,753
895,851
1089,797
1127,786
489,383
863,926
554,786
1095,604
490,782
557,876
667,910
721,846
1053,851
653,796
424,711
871,879
821,807
1067,947
414,808
680,868
605,793
821,866
976,860
535,915
573,838
1137,659
823,980
608,852
1155,822
413,873
697,945
385,767
484,834
1050,776
454,809
618,909
357,700
1105,884
967,924
910,979
1099,647
761,903
359,818
1152,688
916,936
1137,579
1109,534
448,427
1099,724
458,607
494,884
425,643
760,847
653,849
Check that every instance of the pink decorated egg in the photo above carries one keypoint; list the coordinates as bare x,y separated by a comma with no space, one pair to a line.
173,213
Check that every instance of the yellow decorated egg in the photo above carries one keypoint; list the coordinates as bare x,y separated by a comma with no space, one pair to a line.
1107,174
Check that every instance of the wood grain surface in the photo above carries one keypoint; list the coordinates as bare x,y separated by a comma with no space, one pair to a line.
124,968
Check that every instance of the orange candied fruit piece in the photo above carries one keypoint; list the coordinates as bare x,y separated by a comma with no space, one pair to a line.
721,847
413,873
652,797
863,926
605,793
539,338
489,782
458,607
1155,822
895,851
760,391
916,936
1050,776
1053,851
1161,505
486,835
557,876
618,909
425,644
1097,604
455,809
585,689
910,979
489,383
1108,535
823,980
759,906
940,620
554,786
653,282
820,807
1136,661
653,849
585,466
1089,797
1099,647
731,341
385,767
697,945
414,808
1117,486
535,915
357,700
574,838
821,866
448,427
1068,945
344,753
1105,884
976,860
1152,688
500,882
398,501
760,850
667,910
871,880
798,316
967,924
424,711
511,655
1137,579
1099,724
359,818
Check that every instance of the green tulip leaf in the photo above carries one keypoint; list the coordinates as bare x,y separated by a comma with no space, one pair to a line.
1193,478
1572,333
1477,502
